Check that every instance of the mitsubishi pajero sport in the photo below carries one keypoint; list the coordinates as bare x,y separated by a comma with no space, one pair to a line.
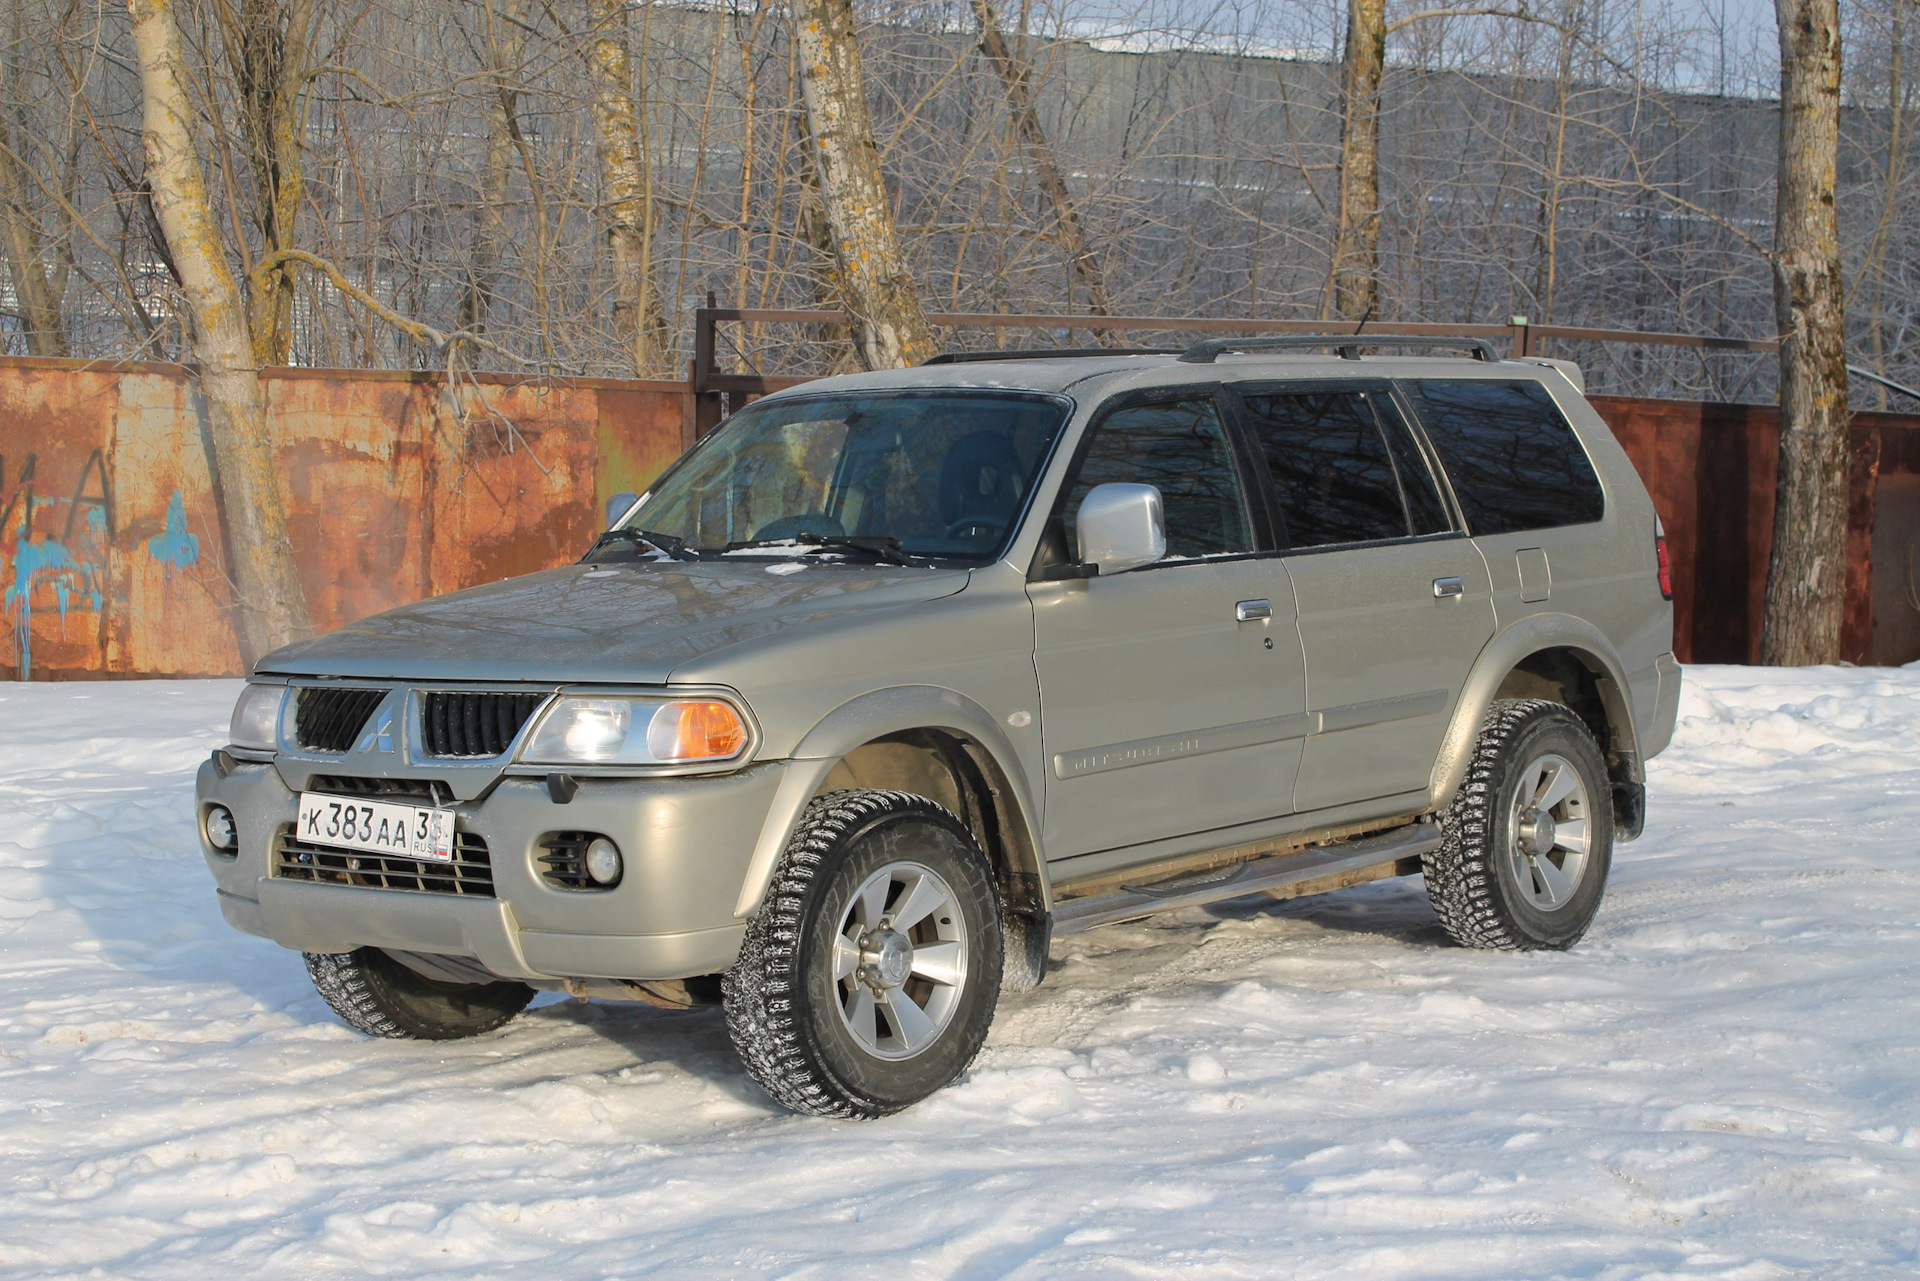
895,676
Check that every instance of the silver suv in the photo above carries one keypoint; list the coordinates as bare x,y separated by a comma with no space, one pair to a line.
895,676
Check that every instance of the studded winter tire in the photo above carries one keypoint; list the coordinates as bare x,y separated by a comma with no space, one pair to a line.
869,976
383,997
1528,840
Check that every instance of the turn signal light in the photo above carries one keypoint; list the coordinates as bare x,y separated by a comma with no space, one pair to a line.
703,730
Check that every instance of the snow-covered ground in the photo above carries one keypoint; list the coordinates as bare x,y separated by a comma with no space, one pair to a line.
1722,1081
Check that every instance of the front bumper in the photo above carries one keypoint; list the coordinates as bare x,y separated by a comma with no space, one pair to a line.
686,843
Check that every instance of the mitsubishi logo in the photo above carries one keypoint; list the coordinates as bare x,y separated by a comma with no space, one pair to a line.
380,736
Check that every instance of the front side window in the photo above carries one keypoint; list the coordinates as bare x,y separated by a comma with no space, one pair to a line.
1342,474
1180,448
1514,461
946,474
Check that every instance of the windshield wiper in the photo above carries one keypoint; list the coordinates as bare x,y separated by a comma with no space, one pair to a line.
883,547
879,546
667,544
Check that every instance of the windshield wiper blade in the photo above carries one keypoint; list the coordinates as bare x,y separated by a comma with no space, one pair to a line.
666,544
883,547
880,546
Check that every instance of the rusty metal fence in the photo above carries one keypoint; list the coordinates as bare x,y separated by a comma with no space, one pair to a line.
401,485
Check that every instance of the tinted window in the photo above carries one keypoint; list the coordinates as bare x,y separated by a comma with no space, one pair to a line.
1338,468
1181,449
1514,461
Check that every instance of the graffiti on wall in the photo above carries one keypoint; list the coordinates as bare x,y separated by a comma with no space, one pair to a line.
174,547
111,553
54,544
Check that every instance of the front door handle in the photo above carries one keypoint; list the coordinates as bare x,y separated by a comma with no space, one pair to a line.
1252,611
1446,587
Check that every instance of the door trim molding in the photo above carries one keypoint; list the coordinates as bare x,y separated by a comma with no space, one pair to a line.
1199,742
1382,711
1225,738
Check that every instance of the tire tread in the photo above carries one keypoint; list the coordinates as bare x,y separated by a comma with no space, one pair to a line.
360,986
1460,875
763,1015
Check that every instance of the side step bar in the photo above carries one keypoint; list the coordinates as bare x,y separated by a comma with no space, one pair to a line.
1276,871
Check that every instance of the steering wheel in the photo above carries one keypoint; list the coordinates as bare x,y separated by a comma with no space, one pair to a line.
983,527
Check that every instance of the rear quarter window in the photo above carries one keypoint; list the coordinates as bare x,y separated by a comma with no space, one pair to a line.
1514,460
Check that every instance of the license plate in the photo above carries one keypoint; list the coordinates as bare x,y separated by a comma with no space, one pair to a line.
377,827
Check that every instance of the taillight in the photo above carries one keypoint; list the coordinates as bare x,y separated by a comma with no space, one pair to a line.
1666,563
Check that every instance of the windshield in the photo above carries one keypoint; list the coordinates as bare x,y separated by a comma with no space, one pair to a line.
946,473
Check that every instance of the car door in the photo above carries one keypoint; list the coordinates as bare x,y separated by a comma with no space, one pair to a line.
1529,494
1394,602
1172,697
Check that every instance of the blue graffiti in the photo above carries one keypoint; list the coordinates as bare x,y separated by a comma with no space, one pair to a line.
69,567
176,548
50,565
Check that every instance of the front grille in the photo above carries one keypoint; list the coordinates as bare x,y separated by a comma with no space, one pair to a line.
469,875
458,723
420,791
328,718
565,860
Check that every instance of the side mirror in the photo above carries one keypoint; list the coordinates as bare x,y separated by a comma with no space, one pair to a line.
1121,527
619,505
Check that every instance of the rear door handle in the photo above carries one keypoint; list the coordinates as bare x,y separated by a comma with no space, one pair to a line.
1252,611
1445,587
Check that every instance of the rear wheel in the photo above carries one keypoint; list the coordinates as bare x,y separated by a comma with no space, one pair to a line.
384,997
869,977
1528,840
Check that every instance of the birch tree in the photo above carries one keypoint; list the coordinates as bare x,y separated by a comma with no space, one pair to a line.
271,606
1807,572
877,285
626,191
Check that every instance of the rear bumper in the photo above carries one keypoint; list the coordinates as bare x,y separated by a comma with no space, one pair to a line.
1658,731
686,843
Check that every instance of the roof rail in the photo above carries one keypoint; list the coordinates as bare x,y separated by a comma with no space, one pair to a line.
1348,345
1046,353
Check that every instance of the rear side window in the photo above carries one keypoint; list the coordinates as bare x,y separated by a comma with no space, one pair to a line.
1342,471
1514,460
1181,449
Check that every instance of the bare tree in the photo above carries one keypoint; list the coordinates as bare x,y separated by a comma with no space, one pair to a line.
272,608
626,191
503,32
1016,79
38,265
267,45
1353,282
1570,160
890,329
1807,573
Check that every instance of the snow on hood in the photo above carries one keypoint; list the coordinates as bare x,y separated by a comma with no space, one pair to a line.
625,622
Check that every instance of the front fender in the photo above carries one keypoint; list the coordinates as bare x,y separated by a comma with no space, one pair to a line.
1502,654
876,715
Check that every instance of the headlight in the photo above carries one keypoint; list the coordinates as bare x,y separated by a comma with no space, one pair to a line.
256,717
593,729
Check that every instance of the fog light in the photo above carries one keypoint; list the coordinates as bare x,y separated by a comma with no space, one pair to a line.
220,831
603,861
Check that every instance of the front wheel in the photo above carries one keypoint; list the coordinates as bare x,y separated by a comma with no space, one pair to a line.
383,997
869,976
1528,840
